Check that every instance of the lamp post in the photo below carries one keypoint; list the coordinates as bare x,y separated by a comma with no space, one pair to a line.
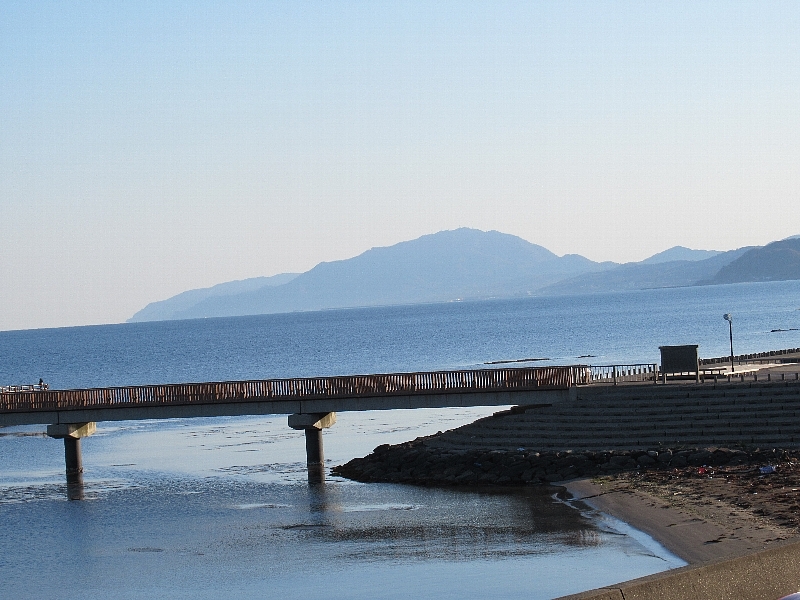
729,318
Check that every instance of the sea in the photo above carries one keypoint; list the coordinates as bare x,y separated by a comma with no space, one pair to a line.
221,507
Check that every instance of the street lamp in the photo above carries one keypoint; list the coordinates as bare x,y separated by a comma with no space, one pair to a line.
729,318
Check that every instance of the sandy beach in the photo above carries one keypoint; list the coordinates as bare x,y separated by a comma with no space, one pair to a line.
736,526
703,513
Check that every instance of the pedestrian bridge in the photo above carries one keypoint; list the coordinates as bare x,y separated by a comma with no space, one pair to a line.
311,403
484,387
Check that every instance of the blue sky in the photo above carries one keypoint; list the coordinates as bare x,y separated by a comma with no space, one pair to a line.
147,148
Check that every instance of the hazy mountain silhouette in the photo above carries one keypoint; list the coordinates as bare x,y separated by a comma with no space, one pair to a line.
164,310
445,266
467,264
680,253
643,275
778,261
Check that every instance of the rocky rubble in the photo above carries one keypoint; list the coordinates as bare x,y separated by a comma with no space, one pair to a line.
416,463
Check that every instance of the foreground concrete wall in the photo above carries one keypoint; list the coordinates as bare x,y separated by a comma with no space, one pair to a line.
766,575
270,407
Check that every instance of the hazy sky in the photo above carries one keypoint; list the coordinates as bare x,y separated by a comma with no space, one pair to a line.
147,148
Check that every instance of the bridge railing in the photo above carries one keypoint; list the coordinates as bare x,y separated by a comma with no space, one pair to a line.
466,381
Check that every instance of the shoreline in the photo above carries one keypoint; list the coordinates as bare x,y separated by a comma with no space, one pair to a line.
730,554
698,534
702,505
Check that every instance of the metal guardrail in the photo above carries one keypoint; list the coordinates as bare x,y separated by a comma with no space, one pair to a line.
483,380
754,377
36,387
637,372
772,356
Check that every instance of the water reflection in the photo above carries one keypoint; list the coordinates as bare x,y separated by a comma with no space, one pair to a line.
76,490
418,523
321,499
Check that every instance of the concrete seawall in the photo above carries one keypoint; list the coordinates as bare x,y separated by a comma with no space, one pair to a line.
766,575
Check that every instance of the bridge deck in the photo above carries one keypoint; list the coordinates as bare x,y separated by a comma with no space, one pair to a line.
486,387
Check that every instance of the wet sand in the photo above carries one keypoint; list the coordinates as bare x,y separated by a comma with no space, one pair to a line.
703,513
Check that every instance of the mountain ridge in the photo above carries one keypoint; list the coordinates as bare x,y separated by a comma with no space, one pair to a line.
163,310
679,253
777,261
643,275
451,265
465,264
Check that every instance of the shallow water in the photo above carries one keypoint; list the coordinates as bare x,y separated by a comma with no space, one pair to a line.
202,508
174,540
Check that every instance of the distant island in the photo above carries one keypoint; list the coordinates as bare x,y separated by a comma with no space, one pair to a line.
469,264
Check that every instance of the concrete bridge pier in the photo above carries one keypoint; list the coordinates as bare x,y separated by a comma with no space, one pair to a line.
313,424
72,433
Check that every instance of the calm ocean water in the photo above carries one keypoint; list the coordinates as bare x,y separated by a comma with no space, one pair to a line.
220,508
614,328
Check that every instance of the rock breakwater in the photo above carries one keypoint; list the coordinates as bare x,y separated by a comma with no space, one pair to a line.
417,463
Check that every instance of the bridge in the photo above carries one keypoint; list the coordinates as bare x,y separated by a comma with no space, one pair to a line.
311,403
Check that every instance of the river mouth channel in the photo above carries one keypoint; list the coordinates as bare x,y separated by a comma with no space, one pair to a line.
200,508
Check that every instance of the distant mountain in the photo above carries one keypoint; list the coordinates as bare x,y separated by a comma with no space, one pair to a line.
778,261
641,275
445,266
165,310
467,264
679,253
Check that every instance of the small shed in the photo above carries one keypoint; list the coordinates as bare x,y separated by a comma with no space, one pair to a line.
680,360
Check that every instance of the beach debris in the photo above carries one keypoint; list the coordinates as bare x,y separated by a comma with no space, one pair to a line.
766,470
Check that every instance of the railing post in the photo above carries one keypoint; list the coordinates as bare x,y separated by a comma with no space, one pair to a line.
614,374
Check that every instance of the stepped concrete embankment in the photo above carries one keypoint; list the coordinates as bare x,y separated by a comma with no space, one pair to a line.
604,430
